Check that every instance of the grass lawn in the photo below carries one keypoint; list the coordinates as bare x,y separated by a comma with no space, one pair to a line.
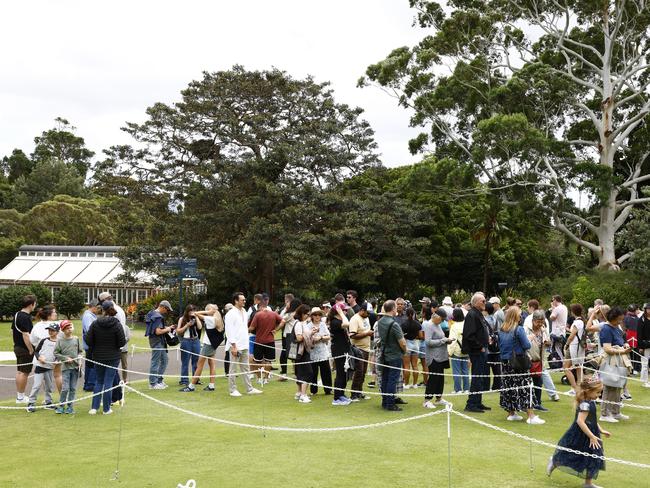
161,447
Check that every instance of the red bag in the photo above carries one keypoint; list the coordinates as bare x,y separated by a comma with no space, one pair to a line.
536,368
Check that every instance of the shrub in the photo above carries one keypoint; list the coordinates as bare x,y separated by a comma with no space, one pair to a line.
70,301
615,288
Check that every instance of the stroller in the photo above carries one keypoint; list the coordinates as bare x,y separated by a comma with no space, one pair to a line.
556,356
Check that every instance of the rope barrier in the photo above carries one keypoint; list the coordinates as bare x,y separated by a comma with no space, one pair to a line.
283,429
59,404
548,444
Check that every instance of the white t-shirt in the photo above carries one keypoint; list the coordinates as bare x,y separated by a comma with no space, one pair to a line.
208,323
559,324
39,332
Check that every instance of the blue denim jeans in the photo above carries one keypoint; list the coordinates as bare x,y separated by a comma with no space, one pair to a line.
389,379
159,361
104,381
549,386
460,369
89,375
480,380
189,346
69,387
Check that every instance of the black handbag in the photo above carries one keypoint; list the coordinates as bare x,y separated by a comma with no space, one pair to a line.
171,338
520,363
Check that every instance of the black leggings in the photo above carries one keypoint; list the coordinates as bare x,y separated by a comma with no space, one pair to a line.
341,381
283,355
436,382
494,363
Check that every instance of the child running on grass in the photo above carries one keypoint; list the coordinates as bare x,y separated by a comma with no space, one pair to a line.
584,436
44,372
67,350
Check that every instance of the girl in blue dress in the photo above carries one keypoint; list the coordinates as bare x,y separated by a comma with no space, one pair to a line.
584,435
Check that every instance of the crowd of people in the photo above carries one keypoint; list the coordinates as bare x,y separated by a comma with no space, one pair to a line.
336,345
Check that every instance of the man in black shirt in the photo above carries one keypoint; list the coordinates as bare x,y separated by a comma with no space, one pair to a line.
23,349
475,343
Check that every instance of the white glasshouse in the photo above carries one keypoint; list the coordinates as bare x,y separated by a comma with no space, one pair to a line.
94,269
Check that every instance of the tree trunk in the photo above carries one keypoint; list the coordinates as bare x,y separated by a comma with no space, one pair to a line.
606,234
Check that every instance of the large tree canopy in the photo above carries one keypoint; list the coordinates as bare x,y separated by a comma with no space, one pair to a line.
544,94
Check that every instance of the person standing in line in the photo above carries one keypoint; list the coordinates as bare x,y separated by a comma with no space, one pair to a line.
320,352
643,335
339,325
68,351
155,331
494,353
499,314
105,340
437,357
289,322
265,324
559,316
412,330
212,338
614,345
459,361
44,359
47,315
516,395
352,298
21,327
538,341
575,348
547,380
236,323
360,335
121,316
189,330
303,330
88,317
475,344
393,346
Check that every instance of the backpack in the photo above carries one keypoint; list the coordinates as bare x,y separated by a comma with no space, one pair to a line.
292,350
582,340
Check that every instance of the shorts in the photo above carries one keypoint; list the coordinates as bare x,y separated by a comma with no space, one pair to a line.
412,347
264,351
423,350
577,354
208,350
23,356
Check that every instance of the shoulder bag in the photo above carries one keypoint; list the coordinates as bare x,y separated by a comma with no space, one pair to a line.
520,363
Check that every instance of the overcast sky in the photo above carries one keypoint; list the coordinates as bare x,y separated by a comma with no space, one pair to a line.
99,64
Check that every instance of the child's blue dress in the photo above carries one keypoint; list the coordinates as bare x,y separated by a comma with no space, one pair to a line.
574,438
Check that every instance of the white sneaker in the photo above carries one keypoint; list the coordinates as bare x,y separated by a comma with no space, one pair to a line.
163,385
297,396
428,404
304,399
407,387
442,402
621,416
555,398
535,421
514,418
157,386
109,412
646,384
235,393
607,418
571,392
254,391
22,400
92,411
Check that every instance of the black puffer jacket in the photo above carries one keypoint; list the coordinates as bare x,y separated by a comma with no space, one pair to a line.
105,337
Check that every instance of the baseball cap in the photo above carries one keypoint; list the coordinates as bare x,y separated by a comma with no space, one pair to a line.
104,296
326,305
495,300
425,300
166,304
65,324
441,313
52,326
106,304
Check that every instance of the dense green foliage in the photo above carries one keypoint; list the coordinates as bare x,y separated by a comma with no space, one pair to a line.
70,301
274,186
11,297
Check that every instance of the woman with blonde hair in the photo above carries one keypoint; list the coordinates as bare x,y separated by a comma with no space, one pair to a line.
516,394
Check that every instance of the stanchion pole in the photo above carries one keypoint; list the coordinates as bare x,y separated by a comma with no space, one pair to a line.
529,425
116,474
448,409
